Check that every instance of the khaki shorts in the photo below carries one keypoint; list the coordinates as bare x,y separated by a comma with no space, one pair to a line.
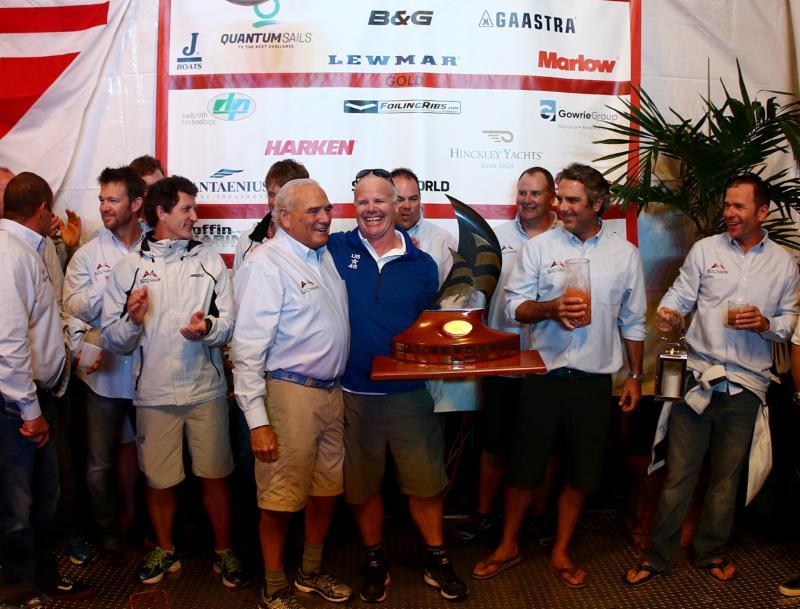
308,424
160,432
407,424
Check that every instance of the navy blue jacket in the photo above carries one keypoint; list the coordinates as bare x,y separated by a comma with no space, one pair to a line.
381,304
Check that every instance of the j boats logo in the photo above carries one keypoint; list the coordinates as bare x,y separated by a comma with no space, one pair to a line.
190,59
528,21
401,106
566,118
231,106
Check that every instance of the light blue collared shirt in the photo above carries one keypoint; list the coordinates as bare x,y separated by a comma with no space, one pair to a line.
618,298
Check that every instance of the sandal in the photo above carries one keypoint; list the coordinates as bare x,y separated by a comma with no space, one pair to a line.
571,571
721,564
496,566
651,575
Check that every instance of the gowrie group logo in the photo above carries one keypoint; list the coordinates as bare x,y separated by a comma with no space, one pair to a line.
528,21
574,119
547,110
552,61
231,106
309,147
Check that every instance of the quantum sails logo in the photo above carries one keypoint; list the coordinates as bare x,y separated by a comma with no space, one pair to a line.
266,12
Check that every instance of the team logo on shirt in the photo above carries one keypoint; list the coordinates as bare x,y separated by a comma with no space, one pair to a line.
102,269
557,266
354,258
307,286
507,249
150,277
717,268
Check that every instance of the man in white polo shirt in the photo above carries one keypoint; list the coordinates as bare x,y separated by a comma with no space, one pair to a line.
292,328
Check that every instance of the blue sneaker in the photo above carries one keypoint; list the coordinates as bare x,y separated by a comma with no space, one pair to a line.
156,564
227,564
80,552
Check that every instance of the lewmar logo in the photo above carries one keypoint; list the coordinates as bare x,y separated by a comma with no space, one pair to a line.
401,106
310,147
393,60
190,59
231,106
400,18
529,21
552,61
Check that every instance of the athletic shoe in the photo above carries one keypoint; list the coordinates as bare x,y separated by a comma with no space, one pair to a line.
282,599
475,525
230,568
324,584
80,552
791,587
376,582
156,564
440,574
64,589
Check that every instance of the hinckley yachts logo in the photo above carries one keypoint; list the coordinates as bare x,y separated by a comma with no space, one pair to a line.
227,185
393,60
309,147
568,118
504,157
529,21
553,61
231,106
401,106
400,18
190,59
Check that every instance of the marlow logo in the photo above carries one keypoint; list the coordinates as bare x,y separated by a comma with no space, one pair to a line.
547,110
580,63
231,106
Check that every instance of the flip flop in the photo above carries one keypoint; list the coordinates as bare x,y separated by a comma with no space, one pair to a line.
498,565
571,571
651,575
720,564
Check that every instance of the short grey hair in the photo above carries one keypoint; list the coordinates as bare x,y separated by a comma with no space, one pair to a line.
285,200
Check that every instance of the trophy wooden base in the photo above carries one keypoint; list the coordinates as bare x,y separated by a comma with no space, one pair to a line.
386,368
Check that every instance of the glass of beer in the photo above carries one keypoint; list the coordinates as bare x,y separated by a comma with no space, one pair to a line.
734,306
579,285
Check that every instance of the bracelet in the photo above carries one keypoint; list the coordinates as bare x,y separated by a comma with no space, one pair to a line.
636,376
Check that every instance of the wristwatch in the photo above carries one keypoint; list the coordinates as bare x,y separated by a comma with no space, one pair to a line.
636,376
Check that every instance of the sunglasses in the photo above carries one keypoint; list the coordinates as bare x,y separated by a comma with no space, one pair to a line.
381,173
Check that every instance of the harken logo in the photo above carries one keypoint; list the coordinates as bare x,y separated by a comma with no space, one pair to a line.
309,147
231,106
401,106
553,61
400,18
547,110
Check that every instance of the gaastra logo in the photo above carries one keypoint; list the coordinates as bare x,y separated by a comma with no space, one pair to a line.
307,286
717,268
150,277
553,61
310,147
393,60
354,259
530,21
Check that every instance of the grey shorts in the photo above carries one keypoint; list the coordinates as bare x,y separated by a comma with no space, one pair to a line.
406,423
160,432
308,425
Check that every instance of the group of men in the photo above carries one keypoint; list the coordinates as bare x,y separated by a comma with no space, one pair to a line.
304,316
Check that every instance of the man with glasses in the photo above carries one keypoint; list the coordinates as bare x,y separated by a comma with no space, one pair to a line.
389,283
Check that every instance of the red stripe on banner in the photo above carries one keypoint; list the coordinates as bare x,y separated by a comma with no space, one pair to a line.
41,19
162,92
434,211
390,81
25,79
631,225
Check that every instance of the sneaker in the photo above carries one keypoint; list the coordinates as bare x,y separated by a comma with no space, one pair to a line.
229,566
65,589
282,599
476,524
80,552
791,587
32,600
376,582
156,564
441,575
324,584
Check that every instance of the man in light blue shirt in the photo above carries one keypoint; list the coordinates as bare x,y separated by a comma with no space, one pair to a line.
730,358
573,400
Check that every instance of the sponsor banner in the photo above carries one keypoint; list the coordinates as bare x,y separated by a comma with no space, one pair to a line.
468,95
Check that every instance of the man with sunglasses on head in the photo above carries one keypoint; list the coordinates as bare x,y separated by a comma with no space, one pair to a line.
390,281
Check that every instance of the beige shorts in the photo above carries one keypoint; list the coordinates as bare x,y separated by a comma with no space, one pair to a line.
160,432
308,423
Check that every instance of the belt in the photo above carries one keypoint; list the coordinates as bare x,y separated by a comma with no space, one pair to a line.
572,373
301,379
